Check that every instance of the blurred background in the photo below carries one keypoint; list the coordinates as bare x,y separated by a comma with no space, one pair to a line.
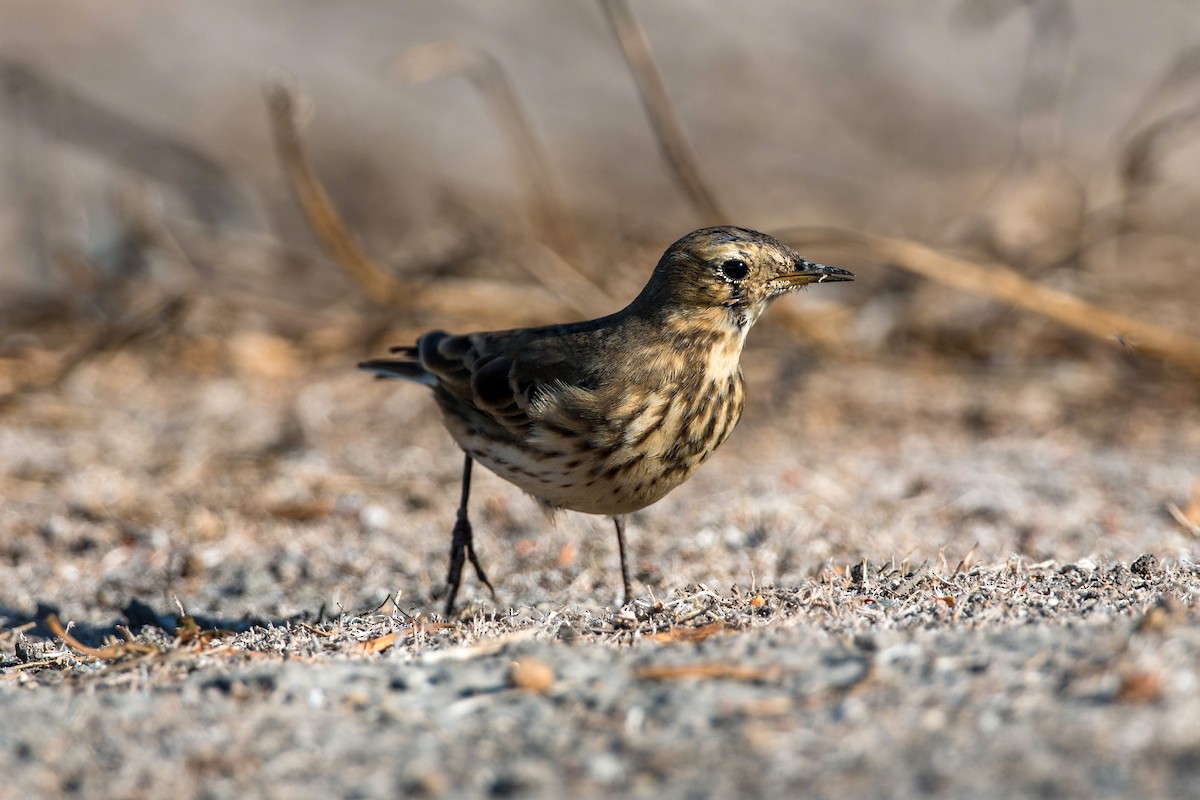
1050,135
174,334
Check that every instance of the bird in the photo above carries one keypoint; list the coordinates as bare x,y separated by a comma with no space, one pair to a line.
607,416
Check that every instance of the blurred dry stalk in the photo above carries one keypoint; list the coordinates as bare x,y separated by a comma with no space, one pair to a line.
1169,115
112,335
1046,68
1033,217
550,268
551,220
1041,96
1002,283
1040,214
326,223
58,111
101,277
820,329
445,59
672,138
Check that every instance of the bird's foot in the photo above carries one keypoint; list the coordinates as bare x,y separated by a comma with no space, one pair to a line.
462,549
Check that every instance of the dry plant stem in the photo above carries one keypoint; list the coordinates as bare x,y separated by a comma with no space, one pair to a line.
63,114
1047,70
326,223
113,336
108,653
1167,117
672,139
444,59
1174,89
559,276
1181,518
483,301
553,271
546,209
1143,156
1004,284
18,629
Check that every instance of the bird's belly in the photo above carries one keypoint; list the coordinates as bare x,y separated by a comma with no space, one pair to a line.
582,481
613,468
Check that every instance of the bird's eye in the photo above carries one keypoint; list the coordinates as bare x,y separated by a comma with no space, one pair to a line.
735,269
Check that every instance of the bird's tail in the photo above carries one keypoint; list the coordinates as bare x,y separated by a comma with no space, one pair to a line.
399,368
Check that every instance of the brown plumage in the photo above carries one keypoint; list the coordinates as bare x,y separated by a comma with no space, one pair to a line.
608,416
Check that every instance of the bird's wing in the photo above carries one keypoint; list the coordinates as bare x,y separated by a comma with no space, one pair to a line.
510,378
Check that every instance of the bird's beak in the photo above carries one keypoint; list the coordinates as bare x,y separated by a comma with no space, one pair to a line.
806,272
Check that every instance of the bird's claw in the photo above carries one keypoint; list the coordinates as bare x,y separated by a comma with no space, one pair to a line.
462,549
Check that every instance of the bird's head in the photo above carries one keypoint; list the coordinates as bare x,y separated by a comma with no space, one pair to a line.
734,270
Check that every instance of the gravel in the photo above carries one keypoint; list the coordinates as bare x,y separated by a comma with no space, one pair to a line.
876,597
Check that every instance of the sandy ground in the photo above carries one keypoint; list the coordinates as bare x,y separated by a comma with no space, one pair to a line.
951,551
895,580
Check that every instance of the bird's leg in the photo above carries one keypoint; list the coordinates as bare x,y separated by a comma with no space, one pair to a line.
620,523
462,546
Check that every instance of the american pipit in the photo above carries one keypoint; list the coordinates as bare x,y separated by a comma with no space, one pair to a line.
608,416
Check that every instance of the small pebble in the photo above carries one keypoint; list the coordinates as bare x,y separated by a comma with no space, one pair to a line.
530,675
375,516
1146,565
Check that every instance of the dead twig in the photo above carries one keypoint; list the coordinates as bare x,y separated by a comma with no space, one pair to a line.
555,268
444,59
684,634
1002,283
494,302
108,653
314,630
1032,217
1143,156
1166,117
378,644
552,269
18,629
326,223
672,139
64,114
417,628
456,298
1181,518
1049,57
111,336
1174,89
